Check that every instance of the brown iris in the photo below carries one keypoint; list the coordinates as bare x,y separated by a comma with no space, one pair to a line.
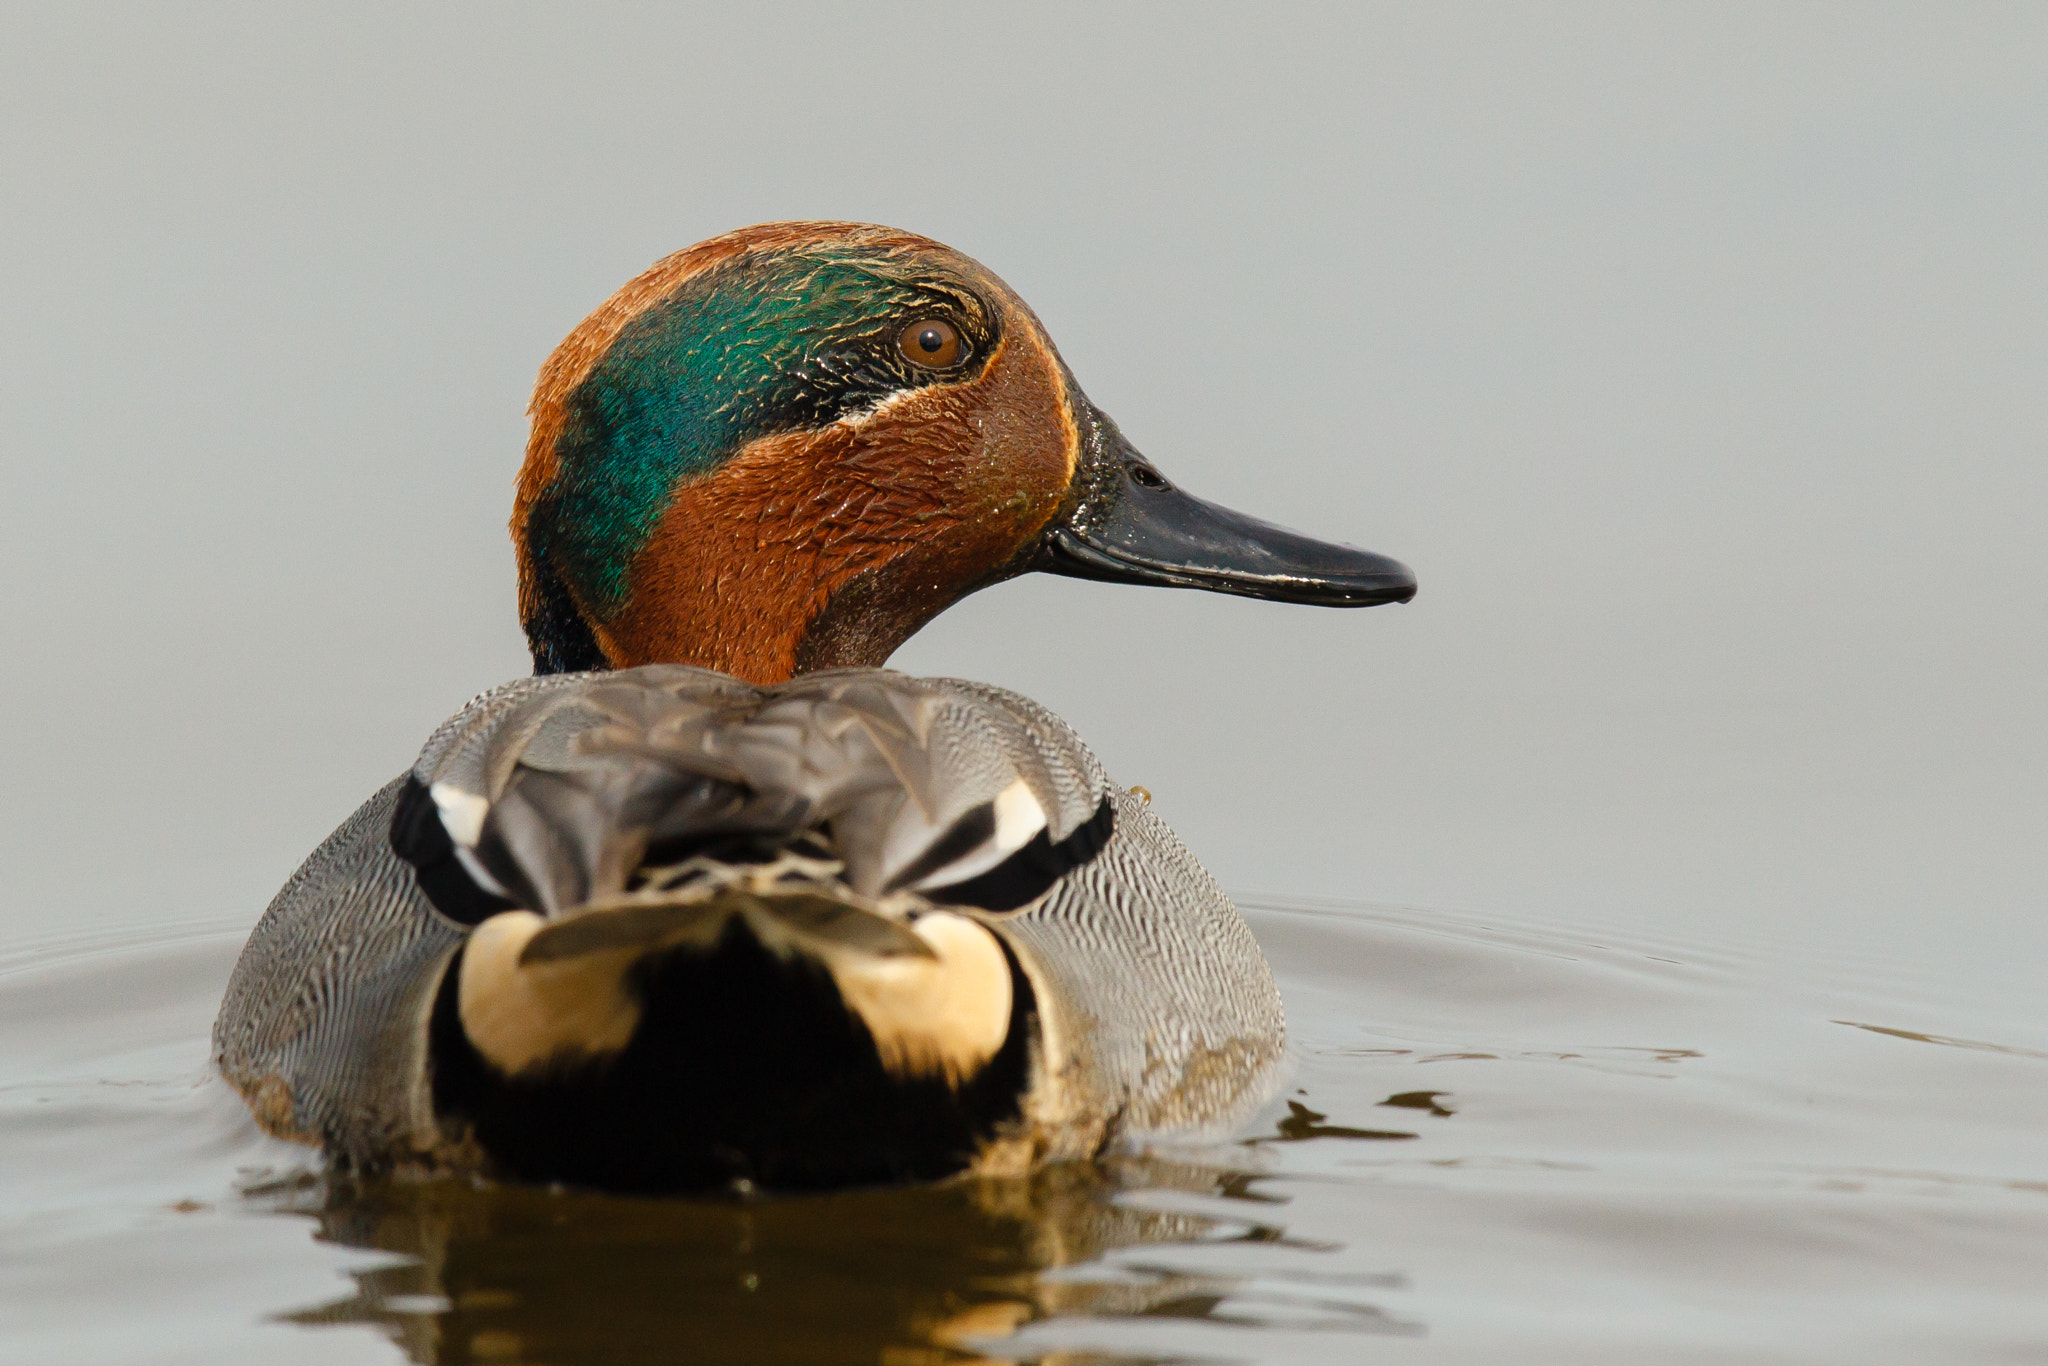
933,343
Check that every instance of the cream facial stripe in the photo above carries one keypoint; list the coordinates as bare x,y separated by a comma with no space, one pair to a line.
1049,358
882,406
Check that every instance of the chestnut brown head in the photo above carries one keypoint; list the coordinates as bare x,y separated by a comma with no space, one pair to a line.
790,447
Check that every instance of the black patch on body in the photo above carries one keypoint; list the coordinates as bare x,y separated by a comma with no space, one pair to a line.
745,1066
419,838
1029,873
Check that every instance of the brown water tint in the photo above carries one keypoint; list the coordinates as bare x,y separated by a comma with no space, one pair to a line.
1500,1143
901,1276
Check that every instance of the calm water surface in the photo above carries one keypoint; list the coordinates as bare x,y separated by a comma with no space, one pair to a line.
1693,356
1502,1142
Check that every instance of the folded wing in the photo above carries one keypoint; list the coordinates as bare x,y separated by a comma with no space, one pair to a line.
582,789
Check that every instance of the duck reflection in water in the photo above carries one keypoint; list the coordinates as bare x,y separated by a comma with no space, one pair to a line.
510,1273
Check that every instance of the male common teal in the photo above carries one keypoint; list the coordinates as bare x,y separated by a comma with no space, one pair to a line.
714,899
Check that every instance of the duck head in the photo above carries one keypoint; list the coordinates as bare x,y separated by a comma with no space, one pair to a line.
790,447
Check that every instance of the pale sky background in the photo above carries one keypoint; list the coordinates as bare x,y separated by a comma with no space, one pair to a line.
1694,357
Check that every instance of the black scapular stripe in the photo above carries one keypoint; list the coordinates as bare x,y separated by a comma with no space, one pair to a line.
1029,873
418,837
962,838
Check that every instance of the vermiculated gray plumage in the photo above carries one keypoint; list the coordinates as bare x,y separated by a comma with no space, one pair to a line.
1156,1011
324,1024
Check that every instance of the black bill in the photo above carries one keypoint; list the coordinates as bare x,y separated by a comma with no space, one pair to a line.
1130,525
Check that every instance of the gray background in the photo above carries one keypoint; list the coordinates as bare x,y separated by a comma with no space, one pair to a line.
1693,356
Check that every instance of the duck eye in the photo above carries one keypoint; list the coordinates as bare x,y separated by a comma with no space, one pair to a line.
932,343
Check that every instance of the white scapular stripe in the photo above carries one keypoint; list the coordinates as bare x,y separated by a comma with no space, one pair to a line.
479,874
1019,818
462,813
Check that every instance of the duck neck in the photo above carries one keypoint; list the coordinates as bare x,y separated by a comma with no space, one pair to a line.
807,551
764,622
557,636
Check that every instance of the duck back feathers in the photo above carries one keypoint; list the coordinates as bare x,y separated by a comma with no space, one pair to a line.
660,928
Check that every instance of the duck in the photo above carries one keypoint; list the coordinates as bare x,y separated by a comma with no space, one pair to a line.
714,900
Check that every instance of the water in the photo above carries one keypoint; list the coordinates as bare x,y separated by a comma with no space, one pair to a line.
1500,1142
1692,355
